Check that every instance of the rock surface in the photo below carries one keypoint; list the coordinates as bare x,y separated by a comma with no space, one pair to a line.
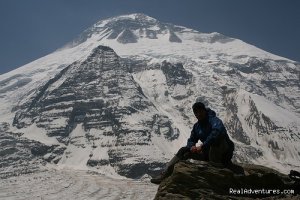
97,108
200,180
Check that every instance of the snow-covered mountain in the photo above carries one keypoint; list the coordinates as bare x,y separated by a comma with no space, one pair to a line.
118,98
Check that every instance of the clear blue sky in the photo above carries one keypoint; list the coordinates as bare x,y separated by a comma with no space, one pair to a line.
31,29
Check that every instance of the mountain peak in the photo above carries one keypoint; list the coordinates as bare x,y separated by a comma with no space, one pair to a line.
129,29
140,30
138,17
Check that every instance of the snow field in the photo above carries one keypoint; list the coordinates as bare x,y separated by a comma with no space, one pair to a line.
67,185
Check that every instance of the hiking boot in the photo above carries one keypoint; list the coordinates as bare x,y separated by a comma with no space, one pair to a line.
161,177
167,172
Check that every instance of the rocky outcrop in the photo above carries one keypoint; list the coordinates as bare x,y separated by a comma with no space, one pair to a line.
200,180
15,155
176,74
19,155
127,36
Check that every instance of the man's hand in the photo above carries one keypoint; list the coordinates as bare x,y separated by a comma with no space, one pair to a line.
195,149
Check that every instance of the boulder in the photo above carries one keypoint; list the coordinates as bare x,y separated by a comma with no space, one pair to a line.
202,180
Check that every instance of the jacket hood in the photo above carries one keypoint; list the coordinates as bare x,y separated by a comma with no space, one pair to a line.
210,112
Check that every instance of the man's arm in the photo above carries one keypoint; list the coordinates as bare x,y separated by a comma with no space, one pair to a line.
193,139
217,130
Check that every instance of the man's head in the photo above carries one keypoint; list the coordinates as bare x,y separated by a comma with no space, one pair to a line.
199,111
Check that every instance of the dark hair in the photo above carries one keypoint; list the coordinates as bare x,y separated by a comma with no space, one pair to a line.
198,106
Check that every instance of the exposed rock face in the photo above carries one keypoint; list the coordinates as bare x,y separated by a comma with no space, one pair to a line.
200,180
234,125
176,74
19,155
127,36
15,153
99,97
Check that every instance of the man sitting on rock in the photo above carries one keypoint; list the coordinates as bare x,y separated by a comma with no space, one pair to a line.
216,146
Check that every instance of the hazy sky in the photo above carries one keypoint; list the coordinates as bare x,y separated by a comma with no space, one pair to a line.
31,29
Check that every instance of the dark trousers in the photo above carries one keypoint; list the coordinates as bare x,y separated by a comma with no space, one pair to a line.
219,152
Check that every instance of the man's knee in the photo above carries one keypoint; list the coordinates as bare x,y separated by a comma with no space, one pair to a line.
182,151
217,151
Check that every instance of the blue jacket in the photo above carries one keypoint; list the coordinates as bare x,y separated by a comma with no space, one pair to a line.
208,131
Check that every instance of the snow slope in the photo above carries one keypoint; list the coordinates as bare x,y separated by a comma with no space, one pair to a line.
69,185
